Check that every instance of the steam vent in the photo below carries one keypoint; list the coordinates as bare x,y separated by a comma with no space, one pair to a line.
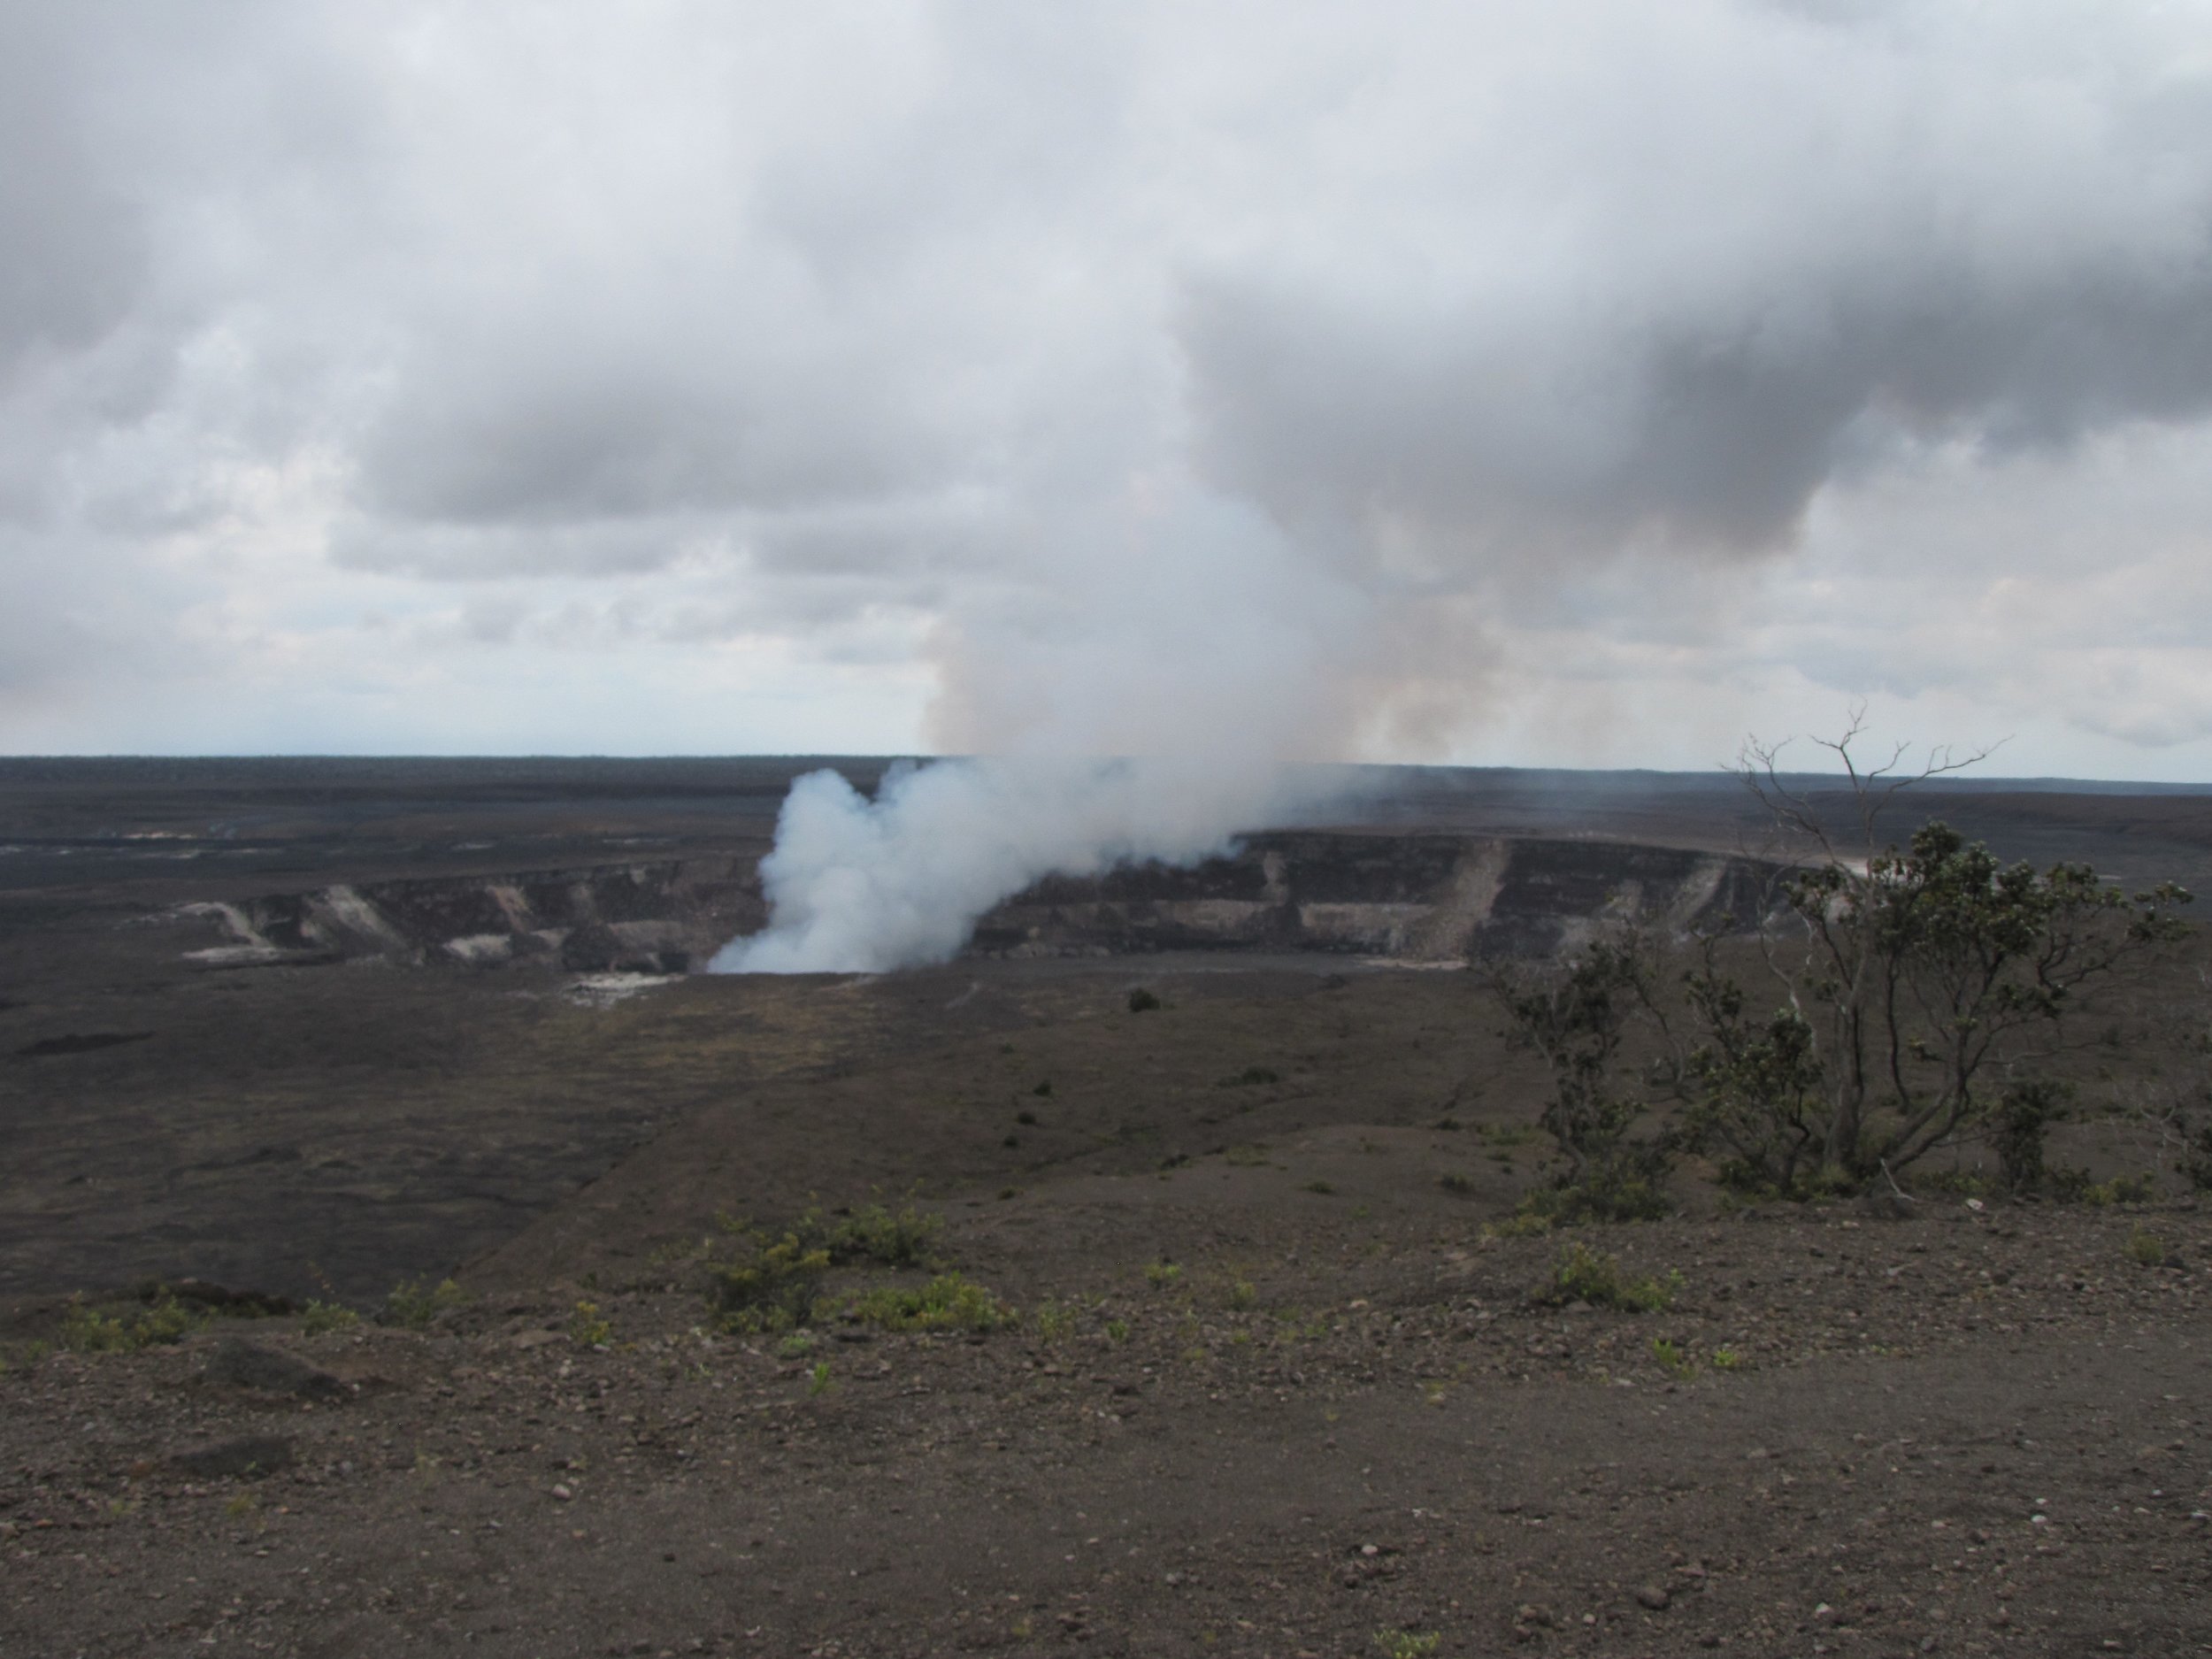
1413,898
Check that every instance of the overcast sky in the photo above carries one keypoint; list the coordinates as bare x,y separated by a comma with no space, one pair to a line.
1546,383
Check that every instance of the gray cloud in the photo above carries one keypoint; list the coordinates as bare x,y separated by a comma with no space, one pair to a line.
1361,342
77,252
1683,313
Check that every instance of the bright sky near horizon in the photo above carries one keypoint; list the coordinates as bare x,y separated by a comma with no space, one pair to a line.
1561,383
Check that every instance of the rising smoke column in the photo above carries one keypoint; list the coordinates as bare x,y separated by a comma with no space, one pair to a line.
855,885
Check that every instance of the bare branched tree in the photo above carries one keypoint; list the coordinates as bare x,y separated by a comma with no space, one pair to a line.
1916,994
1910,979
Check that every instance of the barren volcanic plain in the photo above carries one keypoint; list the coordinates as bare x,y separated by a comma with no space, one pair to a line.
280,1038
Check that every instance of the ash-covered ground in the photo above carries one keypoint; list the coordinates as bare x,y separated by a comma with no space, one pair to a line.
1271,1389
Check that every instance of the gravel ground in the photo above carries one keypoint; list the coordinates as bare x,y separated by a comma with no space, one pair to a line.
1972,1432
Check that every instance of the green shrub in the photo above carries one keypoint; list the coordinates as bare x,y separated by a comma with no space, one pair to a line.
2147,1248
85,1330
904,1237
1406,1644
1614,1191
1054,1322
1672,1360
948,1302
774,1287
413,1305
1142,1001
2074,1186
587,1329
1523,1223
322,1318
1162,1273
1584,1275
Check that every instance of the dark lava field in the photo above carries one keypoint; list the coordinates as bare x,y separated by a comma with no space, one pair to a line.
1252,1367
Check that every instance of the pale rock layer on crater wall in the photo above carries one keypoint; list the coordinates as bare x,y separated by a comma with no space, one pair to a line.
1418,897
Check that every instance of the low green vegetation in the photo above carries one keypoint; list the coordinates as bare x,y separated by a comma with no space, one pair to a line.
1142,1001
1587,1276
772,1285
906,1237
1615,1191
948,1302
2075,1185
588,1328
414,1304
85,1330
1505,1137
320,1317
2147,1248
1405,1644
777,1282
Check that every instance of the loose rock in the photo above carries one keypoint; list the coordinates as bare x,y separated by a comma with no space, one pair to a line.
245,1364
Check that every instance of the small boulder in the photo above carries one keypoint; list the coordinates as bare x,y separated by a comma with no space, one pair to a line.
1885,1203
244,1364
1654,1597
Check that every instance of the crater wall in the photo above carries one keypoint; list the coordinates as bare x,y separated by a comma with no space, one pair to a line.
655,918
1413,898
1410,896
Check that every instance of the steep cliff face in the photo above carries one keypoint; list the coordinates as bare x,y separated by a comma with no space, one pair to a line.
1413,897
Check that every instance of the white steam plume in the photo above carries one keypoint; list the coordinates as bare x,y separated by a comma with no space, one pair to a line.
1188,635
860,886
